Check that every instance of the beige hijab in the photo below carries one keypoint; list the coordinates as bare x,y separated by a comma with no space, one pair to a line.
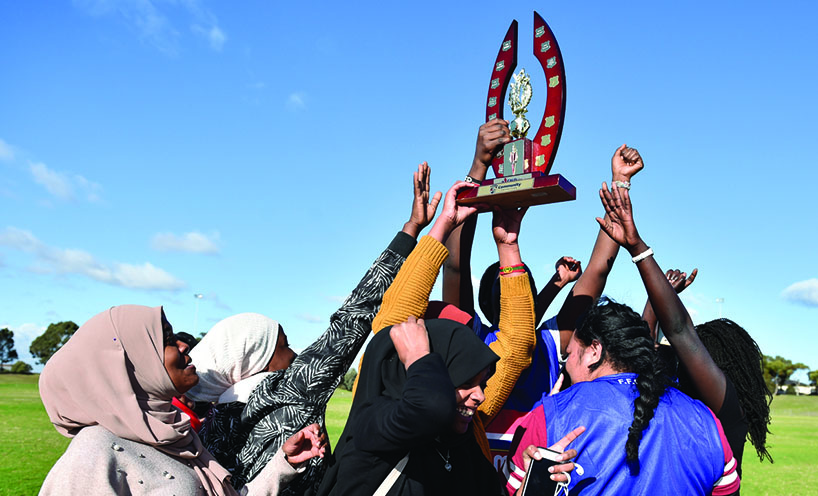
111,373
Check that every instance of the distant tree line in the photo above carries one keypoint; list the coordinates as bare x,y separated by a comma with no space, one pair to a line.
42,348
349,380
777,370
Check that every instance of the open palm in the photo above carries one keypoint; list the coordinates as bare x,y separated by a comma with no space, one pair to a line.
618,222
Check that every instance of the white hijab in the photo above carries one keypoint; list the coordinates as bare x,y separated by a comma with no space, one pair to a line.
235,349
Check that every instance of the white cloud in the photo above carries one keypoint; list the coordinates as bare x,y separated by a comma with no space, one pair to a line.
71,261
25,332
151,20
296,101
55,183
20,239
804,292
214,299
89,189
143,16
6,151
145,276
62,186
214,35
217,38
192,242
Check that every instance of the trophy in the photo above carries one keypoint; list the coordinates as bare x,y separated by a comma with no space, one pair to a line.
522,167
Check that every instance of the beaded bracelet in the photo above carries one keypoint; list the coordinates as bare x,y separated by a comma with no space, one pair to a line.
511,269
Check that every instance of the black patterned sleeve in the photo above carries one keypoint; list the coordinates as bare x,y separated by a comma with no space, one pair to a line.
282,405
318,370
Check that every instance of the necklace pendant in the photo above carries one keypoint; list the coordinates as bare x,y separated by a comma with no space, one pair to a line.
448,467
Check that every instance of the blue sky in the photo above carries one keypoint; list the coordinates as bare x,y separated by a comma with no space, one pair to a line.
261,153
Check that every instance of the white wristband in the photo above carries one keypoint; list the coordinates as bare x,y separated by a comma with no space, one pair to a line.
645,254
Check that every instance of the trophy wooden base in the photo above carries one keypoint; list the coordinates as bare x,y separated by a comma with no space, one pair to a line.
521,190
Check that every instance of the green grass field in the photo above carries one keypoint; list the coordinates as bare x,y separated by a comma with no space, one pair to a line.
31,445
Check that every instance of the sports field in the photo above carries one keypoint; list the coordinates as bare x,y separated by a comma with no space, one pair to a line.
30,444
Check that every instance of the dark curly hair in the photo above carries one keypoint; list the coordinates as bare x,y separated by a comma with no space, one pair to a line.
738,356
627,347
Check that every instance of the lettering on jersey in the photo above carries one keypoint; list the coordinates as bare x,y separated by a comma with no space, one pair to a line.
499,462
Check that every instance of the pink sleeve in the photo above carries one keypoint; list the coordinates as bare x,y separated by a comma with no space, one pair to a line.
729,482
535,433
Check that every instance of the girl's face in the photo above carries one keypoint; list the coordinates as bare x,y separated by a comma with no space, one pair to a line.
469,396
283,356
177,362
576,364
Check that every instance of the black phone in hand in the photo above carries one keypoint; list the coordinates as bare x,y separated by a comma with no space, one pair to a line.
537,480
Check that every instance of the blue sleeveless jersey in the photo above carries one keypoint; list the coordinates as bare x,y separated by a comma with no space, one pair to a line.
680,453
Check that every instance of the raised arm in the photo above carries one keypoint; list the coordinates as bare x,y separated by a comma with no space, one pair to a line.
409,293
276,412
567,271
515,337
625,163
457,285
423,210
673,317
680,281
357,315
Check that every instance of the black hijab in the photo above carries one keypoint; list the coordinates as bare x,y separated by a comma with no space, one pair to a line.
464,354
383,376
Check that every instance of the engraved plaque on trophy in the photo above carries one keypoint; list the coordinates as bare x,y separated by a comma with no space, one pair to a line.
522,167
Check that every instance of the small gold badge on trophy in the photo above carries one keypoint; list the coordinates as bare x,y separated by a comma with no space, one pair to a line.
522,167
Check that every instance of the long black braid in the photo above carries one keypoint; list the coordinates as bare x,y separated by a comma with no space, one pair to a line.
627,347
738,356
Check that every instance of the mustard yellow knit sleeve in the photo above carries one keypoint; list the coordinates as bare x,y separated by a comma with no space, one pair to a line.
409,292
514,345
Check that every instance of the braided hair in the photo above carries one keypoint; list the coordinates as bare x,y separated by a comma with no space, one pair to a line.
738,356
627,347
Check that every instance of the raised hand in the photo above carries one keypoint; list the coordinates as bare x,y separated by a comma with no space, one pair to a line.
568,270
625,163
452,214
490,138
505,224
411,340
680,280
307,443
423,210
618,222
